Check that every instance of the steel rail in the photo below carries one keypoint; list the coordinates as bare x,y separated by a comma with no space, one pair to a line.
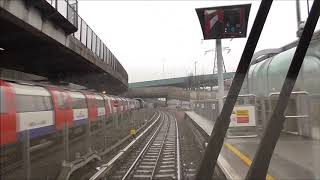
142,152
102,169
161,149
178,151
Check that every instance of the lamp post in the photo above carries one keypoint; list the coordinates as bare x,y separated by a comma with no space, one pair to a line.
163,61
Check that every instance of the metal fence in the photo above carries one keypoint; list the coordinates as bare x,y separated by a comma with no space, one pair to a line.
86,35
65,150
67,8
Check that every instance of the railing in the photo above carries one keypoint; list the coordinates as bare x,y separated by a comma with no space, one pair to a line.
86,35
66,9
88,38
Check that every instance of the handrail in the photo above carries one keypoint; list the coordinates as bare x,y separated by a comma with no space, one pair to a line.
297,116
243,95
292,93
87,36
295,92
66,9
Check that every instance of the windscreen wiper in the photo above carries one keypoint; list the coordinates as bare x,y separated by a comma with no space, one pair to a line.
259,167
221,125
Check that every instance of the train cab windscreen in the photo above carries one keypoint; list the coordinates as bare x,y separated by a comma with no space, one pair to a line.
203,90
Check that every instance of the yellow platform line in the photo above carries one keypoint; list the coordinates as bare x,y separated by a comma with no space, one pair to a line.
244,158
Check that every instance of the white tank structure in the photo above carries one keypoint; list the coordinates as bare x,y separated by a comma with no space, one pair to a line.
266,78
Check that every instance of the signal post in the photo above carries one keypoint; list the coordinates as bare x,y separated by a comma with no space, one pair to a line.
221,23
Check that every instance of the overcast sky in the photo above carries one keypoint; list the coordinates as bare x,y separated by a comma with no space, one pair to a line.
147,35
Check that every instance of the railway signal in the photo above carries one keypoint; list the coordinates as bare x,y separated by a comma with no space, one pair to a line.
220,23
224,21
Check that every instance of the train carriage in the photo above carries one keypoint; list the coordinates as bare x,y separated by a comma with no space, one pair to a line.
35,110
92,108
46,110
62,105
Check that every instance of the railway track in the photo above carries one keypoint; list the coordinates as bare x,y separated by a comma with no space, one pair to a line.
157,157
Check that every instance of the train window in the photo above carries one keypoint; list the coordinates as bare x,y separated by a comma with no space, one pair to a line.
62,101
79,103
100,103
27,103
2,101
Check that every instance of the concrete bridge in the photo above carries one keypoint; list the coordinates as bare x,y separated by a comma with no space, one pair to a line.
187,82
158,92
49,39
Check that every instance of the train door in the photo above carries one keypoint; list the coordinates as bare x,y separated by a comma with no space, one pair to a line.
125,104
8,116
107,107
116,111
121,103
122,111
101,109
79,108
115,105
92,109
62,108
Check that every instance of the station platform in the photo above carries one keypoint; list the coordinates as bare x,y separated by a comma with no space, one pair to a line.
295,157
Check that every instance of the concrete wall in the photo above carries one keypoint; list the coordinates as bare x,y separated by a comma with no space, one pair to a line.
11,74
33,17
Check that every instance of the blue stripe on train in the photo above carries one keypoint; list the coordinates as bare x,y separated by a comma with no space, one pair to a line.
43,131
39,132
80,122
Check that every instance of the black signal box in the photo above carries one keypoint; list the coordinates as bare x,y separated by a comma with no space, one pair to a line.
224,21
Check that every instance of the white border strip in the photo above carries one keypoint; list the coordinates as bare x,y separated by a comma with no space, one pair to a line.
178,151
226,168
